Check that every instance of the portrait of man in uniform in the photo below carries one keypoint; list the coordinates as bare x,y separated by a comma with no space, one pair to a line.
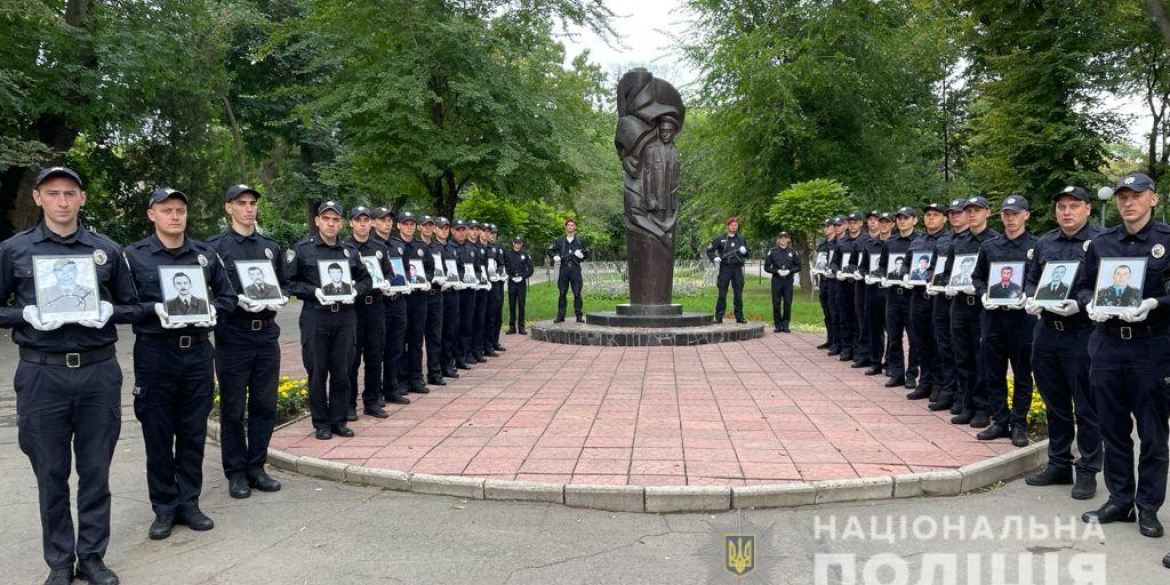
821,263
469,276
398,279
961,274
258,281
1114,288
65,288
895,271
938,282
336,282
921,270
1056,281
417,275
184,291
1009,288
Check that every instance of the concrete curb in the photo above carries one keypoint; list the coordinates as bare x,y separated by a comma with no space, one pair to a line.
675,499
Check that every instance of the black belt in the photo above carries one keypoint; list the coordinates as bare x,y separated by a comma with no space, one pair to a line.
898,290
334,308
969,300
367,300
252,324
69,360
179,341
1131,331
434,290
1063,325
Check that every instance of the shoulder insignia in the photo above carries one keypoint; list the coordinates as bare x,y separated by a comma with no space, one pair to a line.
1030,252
99,257
400,250
268,253
522,257
378,254
1085,247
203,260
420,253
345,251
290,255
1158,251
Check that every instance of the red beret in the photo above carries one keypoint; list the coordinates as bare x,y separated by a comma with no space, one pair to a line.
731,219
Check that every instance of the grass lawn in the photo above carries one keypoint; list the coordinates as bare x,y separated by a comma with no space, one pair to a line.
757,304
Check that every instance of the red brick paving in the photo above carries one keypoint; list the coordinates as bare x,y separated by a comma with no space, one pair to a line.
772,410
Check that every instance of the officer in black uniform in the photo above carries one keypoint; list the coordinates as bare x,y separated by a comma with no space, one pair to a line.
1130,360
394,308
417,304
1006,330
173,363
451,282
492,263
845,265
369,316
820,272
863,356
328,327
959,219
68,381
496,300
569,252
468,258
782,263
1060,353
247,350
898,294
433,330
873,306
921,326
518,267
729,252
475,237
966,315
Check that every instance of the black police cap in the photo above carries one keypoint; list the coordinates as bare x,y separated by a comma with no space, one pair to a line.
977,201
51,172
934,207
427,219
381,212
237,190
407,216
1014,203
907,211
442,222
1136,182
359,211
1075,192
853,217
459,224
160,195
329,205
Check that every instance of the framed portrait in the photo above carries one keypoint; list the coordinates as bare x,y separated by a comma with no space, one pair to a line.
1119,285
874,259
440,266
821,264
961,270
469,278
1056,282
336,280
1005,283
398,279
67,288
920,268
416,273
452,273
938,280
184,293
375,269
492,269
846,259
894,267
484,283
258,282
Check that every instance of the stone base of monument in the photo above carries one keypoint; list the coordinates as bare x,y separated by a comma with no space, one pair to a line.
645,325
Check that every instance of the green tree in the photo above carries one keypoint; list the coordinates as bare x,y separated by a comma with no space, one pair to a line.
801,209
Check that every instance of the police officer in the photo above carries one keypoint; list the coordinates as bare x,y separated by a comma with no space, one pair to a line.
921,326
728,252
966,315
496,301
1130,358
820,271
1006,330
476,237
394,308
862,357
173,362
417,303
328,326
433,331
845,265
874,306
369,316
518,267
960,221
448,251
68,381
247,348
467,256
896,266
1060,352
782,262
568,252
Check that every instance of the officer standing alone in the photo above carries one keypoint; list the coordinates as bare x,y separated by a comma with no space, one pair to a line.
728,252
569,252
782,262
68,381
247,351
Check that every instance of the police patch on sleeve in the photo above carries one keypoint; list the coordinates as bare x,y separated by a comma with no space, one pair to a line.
290,255
378,254
1030,251
268,253
420,253
522,257
399,251
203,260
1086,246
99,257
1158,251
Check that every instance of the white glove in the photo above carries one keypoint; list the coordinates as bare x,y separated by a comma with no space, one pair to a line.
1019,302
579,254
931,293
785,272
718,260
438,281
425,286
517,279
1139,313
1065,308
246,304
556,259
384,288
1031,308
829,275
869,279
1091,311
951,292
283,304
883,282
32,315
105,311
743,250
986,300
968,290
348,300
320,294
211,322
164,318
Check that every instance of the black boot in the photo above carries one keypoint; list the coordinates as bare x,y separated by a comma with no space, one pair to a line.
963,418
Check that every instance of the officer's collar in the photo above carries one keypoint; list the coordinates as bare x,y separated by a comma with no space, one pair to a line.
1141,235
241,237
321,242
1081,235
44,233
156,244
1017,240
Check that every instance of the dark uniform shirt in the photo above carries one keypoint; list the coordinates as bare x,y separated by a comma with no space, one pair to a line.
895,247
965,243
146,255
232,247
115,285
1003,249
468,257
846,244
778,259
1055,246
304,277
827,247
517,263
372,251
416,249
1152,243
925,242
727,248
564,248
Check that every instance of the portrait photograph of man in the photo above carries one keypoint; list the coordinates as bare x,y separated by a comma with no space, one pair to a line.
469,276
920,268
1056,281
938,281
821,263
258,280
1119,284
65,288
184,290
1010,284
398,279
417,275
961,272
375,270
452,274
336,282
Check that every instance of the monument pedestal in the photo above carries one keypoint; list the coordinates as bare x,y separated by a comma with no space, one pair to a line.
645,325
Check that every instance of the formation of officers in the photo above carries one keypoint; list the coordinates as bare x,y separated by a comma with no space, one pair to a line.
68,381
1082,309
